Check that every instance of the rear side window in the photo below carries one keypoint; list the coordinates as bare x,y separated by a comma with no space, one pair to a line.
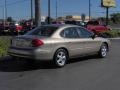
70,33
44,31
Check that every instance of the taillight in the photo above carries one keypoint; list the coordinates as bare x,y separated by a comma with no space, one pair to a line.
37,42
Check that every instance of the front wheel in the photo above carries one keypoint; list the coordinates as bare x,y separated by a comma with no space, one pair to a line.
103,50
60,58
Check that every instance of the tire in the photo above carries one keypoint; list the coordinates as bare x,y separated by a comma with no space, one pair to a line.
103,51
60,58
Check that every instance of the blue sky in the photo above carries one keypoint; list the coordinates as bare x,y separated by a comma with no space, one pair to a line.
19,9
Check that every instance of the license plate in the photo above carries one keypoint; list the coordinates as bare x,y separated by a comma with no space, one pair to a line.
19,51
21,43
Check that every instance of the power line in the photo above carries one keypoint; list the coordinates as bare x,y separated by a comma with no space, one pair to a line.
111,11
6,5
14,3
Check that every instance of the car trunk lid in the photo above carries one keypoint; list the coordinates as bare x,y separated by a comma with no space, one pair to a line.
27,41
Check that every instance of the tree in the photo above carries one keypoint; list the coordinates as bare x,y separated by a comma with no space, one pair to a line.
115,17
37,13
10,19
102,20
50,19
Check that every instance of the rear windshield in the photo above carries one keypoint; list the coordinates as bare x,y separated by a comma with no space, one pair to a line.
43,31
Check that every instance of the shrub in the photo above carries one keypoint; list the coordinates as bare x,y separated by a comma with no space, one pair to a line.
111,34
4,44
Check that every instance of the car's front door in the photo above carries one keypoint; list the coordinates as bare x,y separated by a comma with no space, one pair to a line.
90,45
72,41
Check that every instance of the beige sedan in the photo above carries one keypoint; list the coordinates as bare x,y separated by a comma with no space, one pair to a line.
58,43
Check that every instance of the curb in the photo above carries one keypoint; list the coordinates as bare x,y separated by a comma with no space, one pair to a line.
114,38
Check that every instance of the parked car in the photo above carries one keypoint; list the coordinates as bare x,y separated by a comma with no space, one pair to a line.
58,43
15,28
96,27
4,28
1,28
10,28
58,22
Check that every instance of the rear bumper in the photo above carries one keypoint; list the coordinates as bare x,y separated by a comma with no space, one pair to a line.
36,54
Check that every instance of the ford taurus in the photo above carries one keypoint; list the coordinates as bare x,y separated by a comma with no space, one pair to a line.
58,43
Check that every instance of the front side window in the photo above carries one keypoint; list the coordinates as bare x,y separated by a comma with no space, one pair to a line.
83,33
70,33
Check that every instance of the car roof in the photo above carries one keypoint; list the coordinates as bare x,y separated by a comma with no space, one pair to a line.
60,25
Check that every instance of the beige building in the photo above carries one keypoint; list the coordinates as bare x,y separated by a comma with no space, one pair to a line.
73,17
77,18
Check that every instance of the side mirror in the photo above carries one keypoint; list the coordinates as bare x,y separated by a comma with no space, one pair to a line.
94,36
104,25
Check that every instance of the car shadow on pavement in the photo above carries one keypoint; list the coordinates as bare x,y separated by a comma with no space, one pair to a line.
19,65
82,59
10,65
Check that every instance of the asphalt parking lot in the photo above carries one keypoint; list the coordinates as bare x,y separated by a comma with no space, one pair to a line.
90,73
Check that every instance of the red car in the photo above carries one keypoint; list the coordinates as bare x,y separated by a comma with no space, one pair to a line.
96,27
15,28
19,28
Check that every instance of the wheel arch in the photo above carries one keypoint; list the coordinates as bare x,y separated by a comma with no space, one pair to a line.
62,48
107,45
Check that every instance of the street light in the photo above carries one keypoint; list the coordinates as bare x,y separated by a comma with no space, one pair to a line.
5,14
89,9
56,10
49,11
32,10
5,6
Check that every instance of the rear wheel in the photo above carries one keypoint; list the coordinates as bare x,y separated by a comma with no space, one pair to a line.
103,51
60,58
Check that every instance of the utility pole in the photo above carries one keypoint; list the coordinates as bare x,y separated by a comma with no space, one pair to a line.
5,9
32,10
37,13
89,9
5,14
56,10
49,11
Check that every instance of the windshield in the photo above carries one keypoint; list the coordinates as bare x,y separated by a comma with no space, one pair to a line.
44,31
